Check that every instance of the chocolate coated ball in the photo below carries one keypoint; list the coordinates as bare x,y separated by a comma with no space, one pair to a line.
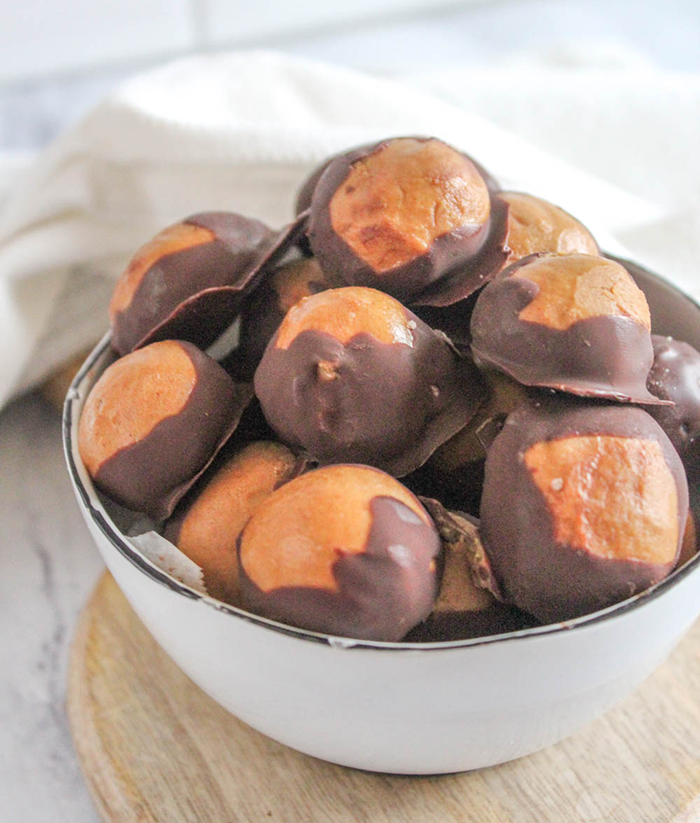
399,215
345,550
190,280
153,421
262,314
153,298
575,322
675,376
583,506
353,376
207,524
463,608
535,226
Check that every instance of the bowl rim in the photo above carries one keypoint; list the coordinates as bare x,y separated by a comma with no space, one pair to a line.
120,542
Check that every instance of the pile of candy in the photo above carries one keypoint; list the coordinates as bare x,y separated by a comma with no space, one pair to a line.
445,415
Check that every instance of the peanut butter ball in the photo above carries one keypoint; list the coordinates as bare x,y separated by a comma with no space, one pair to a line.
535,225
675,376
153,422
399,215
574,322
262,314
189,280
305,194
583,506
351,375
463,608
345,550
209,520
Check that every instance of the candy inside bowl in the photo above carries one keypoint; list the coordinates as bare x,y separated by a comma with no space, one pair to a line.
383,689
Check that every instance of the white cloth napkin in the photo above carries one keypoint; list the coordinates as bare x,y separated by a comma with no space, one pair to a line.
240,131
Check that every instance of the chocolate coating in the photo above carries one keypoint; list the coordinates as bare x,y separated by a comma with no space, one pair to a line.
390,404
263,312
465,606
675,376
381,594
306,192
454,321
450,295
466,624
195,293
550,580
152,474
457,466
606,356
252,426
304,197
461,529
404,280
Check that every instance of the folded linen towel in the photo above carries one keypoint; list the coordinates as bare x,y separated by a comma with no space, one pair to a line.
240,131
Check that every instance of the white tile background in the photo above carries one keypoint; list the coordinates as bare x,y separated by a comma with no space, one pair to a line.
43,37
39,37
225,22
59,57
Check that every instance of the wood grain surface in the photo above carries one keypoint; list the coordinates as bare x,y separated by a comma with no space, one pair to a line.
155,748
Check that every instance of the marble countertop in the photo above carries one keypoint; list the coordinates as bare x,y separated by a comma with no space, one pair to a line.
49,565
48,562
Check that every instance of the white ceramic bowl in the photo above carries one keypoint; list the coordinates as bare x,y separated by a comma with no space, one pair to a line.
402,708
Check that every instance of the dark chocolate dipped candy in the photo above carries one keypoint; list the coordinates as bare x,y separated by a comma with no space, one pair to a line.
450,296
399,215
448,304
154,421
262,314
345,550
583,506
306,192
457,466
353,376
252,426
574,322
464,607
188,281
536,225
454,321
210,518
304,197
675,376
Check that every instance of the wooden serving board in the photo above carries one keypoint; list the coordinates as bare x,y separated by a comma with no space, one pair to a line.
155,748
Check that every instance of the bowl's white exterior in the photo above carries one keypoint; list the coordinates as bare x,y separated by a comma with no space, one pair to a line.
396,707
407,711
